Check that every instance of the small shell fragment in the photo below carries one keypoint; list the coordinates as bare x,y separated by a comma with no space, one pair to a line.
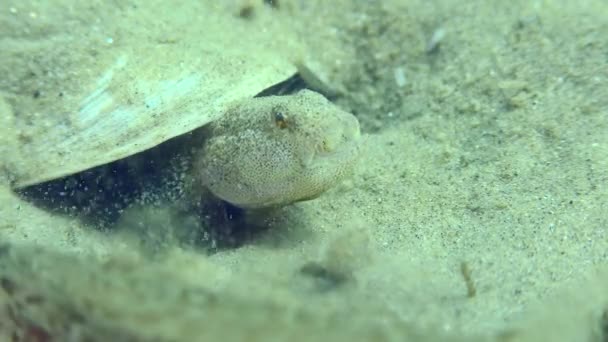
399,74
433,45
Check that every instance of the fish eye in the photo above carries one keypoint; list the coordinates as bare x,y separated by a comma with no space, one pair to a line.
280,120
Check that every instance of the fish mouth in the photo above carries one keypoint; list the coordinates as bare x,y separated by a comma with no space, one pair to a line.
329,167
330,163
344,144
345,151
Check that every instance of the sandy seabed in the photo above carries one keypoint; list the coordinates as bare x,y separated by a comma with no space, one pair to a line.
478,211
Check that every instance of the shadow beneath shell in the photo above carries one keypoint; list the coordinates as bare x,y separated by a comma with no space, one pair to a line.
144,198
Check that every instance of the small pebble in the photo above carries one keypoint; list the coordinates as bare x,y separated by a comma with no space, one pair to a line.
436,38
400,79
